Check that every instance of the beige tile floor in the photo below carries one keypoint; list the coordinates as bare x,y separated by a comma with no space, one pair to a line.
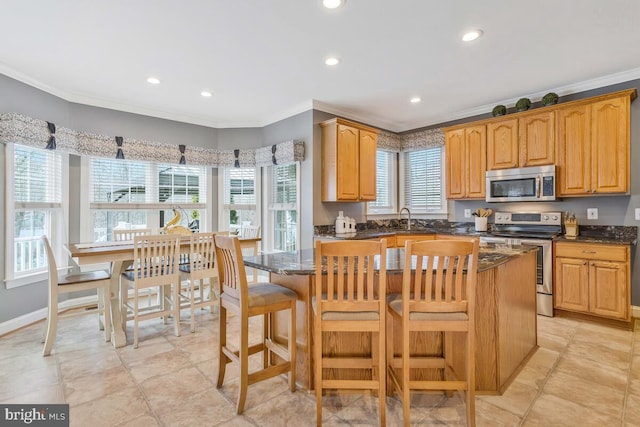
583,374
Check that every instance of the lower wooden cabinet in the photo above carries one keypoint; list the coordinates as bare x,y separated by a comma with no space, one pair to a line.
593,278
402,239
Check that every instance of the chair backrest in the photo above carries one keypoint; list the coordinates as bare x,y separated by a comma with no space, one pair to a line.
51,261
250,231
438,282
231,272
156,258
349,269
129,233
202,253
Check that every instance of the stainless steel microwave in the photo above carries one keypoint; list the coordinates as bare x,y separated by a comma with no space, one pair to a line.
531,184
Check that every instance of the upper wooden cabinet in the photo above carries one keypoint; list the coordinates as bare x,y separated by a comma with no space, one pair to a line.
502,144
593,146
466,162
536,142
521,142
348,161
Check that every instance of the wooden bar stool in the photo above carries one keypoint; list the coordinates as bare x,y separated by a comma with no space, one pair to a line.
246,301
438,295
348,299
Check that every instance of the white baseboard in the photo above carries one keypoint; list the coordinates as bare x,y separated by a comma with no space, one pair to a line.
635,311
36,316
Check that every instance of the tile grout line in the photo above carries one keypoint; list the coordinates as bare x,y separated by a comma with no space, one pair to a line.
546,379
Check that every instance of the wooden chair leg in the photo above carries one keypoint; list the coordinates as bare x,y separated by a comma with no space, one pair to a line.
292,347
390,354
471,383
244,363
176,309
406,378
106,309
266,335
382,376
222,343
318,373
136,309
192,290
52,327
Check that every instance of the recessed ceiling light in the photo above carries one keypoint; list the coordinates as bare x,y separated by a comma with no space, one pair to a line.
415,100
471,35
153,81
332,61
205,93
332,4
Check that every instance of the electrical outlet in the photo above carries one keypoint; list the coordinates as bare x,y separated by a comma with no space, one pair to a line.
467,213
637,214
592,213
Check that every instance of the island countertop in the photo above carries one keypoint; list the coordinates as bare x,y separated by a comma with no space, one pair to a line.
302,262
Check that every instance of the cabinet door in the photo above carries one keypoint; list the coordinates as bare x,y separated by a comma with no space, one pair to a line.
455,163
537,139
610,146
347,172
608,289
574,150
476,157
571,284
367,161
502,144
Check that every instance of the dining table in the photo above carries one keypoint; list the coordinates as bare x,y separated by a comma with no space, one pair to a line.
120,256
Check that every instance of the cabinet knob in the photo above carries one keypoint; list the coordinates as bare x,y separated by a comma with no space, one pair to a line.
584,263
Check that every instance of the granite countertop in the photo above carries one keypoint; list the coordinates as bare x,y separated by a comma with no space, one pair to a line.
303,262
618,235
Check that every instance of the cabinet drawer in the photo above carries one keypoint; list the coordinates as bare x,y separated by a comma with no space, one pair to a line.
591,251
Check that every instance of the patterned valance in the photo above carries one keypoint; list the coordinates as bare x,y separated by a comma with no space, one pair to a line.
410,141
36,133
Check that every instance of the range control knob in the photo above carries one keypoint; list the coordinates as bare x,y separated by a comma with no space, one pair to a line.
545,217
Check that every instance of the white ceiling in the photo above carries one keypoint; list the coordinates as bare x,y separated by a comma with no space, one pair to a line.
264,59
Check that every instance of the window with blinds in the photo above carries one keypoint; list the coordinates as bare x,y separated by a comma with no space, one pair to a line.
35,203
130,194
386,184
284,206
239,194
422,181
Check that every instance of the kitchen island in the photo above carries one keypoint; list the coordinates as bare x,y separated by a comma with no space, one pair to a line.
506,334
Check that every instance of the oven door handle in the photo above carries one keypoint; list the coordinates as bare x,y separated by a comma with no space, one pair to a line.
538,187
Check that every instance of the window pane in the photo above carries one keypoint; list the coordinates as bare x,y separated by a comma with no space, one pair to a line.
284,184
239,184
37,175
180,184
30,225
119,181
385,183
423,180
285,230
104,221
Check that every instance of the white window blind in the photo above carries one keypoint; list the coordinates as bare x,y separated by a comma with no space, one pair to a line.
239,195
284,207
130,194
422,182
386,179
35,204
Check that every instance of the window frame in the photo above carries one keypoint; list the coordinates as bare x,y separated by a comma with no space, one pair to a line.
392,186
151,208
58,222
224,208
418,213
272,208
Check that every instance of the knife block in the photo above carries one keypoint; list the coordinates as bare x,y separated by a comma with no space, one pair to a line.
571,229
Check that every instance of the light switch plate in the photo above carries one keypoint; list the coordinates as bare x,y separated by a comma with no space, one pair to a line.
467,213
637,214
592,213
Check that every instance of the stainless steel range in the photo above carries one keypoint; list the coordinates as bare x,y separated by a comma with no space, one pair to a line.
536,229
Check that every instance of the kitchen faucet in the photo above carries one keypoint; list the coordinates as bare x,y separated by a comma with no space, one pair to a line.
409,217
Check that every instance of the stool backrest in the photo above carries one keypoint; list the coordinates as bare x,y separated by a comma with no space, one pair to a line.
231,271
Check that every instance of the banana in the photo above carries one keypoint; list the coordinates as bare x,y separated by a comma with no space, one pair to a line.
174,220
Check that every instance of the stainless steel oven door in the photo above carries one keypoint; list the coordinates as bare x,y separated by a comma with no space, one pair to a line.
544,275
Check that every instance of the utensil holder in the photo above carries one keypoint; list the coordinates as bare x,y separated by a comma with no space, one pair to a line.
481,223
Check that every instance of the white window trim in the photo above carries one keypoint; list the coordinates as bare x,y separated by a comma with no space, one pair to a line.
441,214
59,232
393,193
222,223
267,238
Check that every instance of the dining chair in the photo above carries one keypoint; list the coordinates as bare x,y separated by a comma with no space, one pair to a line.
129,233
155,265
350,289
250,249
125,235
438,295
73,282
201,273
259,299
